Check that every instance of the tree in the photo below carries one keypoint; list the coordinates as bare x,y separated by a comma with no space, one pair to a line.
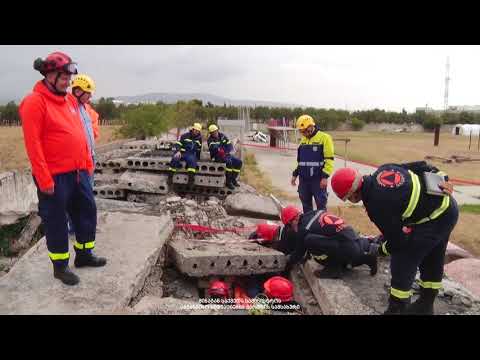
106,109
431,121
10,115
357,124
146,120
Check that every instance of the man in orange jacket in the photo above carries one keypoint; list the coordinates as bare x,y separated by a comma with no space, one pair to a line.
61,165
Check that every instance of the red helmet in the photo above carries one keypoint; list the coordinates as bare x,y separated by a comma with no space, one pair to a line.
280,288
267,231
289,213
218,288
345,182
56,61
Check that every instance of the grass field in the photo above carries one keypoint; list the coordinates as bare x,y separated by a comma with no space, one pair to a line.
12,148
379,148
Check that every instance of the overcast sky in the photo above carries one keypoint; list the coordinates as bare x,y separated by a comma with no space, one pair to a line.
352,77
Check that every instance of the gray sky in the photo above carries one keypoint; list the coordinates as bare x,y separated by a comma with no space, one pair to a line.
357,77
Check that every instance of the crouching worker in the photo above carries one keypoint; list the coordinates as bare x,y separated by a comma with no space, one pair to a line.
323,236
221,149
187,149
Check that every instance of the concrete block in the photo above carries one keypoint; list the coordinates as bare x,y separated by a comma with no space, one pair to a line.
251,205
140,145
109,192
201,180
123,206
131,243
198,259
151,199
302,293
144,182
201,190
18,196
105,179
333,295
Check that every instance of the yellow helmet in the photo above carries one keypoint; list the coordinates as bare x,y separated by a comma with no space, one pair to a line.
84,82
212,128
197,126
304,122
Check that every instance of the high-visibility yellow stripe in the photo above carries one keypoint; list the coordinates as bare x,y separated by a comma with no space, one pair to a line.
191,169
430,284
188,140
441,173
384,248
438,212
58,256
182,150
88,245
236,170
172,169
400,294
414,196
178,142
320,257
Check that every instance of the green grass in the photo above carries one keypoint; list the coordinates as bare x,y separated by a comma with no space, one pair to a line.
474,209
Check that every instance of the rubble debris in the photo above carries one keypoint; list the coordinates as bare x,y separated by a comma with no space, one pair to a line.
251,205
26,236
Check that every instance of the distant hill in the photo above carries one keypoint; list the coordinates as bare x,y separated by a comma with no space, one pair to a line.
170,98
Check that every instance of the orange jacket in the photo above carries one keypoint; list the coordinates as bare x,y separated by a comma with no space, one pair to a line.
94,117
53,134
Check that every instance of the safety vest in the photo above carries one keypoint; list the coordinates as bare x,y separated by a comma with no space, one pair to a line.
311,155
413,202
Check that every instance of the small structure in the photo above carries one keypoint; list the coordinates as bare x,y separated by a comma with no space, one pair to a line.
279,131
466,129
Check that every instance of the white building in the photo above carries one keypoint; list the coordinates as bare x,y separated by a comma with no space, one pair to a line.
466,129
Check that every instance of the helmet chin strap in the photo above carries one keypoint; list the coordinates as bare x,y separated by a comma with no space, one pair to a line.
53,87
79,96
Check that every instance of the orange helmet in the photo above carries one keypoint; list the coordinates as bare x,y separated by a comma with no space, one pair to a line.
345,182
267,231
289,213
218,289
280,288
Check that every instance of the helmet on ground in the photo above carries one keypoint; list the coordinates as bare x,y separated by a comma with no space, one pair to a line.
304,122
289,213
212,128
279,288
84,82
56,61
197,126
345,182
218,289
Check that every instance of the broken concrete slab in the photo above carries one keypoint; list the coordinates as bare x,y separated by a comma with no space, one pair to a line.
109,191
302,293
123,206
455,252
465,272
199,258
152,199
144,182
333,295
183,189
131,243
142,144
18,196
105,179
26,236
201,180
251,205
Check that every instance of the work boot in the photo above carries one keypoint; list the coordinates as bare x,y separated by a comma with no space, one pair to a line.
329,272
65,275
191,179
88,258
424,304
372,262
234,180
396,306
228,182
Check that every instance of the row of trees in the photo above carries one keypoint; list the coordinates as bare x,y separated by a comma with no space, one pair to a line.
148,119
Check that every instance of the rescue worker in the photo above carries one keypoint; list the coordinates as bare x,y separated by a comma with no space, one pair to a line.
416,226
187,149
221,149
61,165
83,87
314,164
329,240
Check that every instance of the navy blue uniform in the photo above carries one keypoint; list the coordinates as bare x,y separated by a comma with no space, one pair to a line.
315,160
328,240
220,149
396,201
190,146
73,196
